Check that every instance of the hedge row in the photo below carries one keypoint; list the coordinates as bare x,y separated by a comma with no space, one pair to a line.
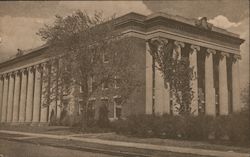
234,127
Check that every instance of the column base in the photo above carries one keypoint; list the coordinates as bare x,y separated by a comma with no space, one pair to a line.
43,124
34,123
14,123
3,123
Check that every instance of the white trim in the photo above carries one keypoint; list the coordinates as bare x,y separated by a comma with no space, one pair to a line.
103,58
92,99
91,84
104,98
116,96
80,89
116,78
103,86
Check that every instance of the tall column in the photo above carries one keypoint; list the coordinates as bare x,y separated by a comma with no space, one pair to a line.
37,94
149,80
23,96
1,95
5,98
162,94
194,81
209,84
44,107
223,89
10,98
236,84
16,97
177,53
30,90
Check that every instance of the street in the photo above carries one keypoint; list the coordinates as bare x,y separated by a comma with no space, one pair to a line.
17,149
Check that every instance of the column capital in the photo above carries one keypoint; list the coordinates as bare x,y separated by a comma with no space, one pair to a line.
5,75
195,47
11,74
43,64
23,71
38,67
236,57
179,44
16,72
224,54
210,51
159,40
30,69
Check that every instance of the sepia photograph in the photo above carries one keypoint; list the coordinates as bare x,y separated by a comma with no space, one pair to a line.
135,78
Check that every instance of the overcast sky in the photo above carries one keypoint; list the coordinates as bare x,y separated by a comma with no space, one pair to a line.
20,20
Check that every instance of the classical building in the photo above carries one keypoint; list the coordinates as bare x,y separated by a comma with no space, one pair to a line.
214,54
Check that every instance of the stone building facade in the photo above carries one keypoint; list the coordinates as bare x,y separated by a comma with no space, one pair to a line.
213,52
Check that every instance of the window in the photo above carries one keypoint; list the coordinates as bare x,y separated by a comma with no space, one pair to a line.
105,85
91,79
105,100
81,90
117,107
105,57
117,82
118,112
91,108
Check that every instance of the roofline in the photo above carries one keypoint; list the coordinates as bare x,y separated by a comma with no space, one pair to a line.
24,55
140,19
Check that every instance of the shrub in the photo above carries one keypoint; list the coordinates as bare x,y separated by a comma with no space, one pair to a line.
239,128
195,127
234,127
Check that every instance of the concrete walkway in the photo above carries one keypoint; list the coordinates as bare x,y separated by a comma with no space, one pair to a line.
195,151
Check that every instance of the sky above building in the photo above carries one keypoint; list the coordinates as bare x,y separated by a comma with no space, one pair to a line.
20,20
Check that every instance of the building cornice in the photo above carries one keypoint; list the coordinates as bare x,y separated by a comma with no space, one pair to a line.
26,55
177,23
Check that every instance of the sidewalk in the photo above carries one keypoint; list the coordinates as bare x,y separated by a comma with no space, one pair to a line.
202,152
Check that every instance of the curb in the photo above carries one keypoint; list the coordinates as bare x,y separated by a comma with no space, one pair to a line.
86,149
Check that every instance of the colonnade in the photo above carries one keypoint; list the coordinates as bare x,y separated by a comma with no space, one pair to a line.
23,95
159,99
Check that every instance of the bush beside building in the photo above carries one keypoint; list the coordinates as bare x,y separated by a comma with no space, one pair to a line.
233,128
